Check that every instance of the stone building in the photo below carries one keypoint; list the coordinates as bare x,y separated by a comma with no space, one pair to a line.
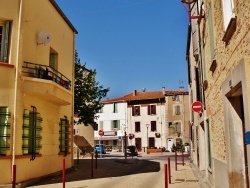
36,89
220,71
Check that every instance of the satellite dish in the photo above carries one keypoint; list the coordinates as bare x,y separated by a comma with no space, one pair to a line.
43,38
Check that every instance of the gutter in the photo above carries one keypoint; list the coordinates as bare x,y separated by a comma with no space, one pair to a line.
15,95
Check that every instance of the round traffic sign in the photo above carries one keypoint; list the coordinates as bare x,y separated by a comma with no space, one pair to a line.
197,106
101,132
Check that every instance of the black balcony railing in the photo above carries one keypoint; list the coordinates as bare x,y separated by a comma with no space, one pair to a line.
47,73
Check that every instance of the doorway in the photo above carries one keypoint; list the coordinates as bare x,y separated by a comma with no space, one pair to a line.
237,137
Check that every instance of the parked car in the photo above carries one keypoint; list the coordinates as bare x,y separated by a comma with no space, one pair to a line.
132,151
100,148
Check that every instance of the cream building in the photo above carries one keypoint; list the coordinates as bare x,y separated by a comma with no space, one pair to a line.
36,89
222,65
145,116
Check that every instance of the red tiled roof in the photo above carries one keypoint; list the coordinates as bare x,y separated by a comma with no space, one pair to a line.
145,96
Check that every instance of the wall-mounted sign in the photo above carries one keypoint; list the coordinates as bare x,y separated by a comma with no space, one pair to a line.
110,133
247,137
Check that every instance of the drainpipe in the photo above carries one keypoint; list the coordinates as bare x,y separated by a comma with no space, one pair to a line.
15,90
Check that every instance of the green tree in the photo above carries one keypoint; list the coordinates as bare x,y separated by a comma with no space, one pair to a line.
88,93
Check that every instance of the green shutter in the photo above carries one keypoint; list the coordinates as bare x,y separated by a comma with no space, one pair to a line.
4,130
211,34
118,124
6,41
26,131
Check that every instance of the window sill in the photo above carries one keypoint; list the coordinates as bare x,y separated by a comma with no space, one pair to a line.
6,65
19,156
230,30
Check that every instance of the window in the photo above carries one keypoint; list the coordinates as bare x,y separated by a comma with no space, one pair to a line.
135,110
177,127
53,58
137,126
4,40
169,124
153,126
151,109
177,110
115,124
64,135
229,19
100,125
115,110
114,142
95,126
176,98
4,130
32,132
228,12
101,110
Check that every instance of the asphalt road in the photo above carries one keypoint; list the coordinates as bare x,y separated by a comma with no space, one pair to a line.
141,171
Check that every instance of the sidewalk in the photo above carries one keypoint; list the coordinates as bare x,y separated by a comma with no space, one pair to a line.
120,174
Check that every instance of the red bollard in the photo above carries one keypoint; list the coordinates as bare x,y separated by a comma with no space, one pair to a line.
13,176
175,161
92,165
166,176
169,171
182,155
63,173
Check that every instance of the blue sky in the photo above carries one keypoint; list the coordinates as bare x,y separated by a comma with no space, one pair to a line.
132,44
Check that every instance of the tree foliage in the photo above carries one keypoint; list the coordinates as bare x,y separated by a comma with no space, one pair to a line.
88,93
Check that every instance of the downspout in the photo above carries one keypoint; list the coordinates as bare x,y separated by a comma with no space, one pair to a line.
15,89
73,101
203,98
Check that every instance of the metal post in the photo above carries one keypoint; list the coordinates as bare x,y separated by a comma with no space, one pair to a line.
169,171
175,161
166,176
63,173
77,155
125,141
96,155
13,176
92,165
182,155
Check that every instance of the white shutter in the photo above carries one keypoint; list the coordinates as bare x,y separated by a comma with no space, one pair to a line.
228,12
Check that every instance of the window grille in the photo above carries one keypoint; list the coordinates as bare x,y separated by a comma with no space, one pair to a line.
4,130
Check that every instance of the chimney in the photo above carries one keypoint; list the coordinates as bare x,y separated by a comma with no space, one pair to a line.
134,93
181,88
163,90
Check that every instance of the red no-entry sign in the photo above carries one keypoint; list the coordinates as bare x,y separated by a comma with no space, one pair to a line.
197,106
101,132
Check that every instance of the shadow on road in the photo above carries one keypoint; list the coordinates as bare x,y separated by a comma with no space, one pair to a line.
102,169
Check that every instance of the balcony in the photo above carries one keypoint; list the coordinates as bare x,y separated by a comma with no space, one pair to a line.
46,83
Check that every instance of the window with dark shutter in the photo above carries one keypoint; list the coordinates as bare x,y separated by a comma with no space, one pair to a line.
137,127
151,109
153,126
135,110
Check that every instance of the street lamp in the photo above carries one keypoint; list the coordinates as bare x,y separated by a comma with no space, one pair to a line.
125,141
147,125
187,4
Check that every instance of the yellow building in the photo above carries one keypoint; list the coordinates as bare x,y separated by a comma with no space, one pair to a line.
37,50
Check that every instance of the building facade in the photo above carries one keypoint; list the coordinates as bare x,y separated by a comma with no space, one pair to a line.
144,117
112,121
222,64
37,81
